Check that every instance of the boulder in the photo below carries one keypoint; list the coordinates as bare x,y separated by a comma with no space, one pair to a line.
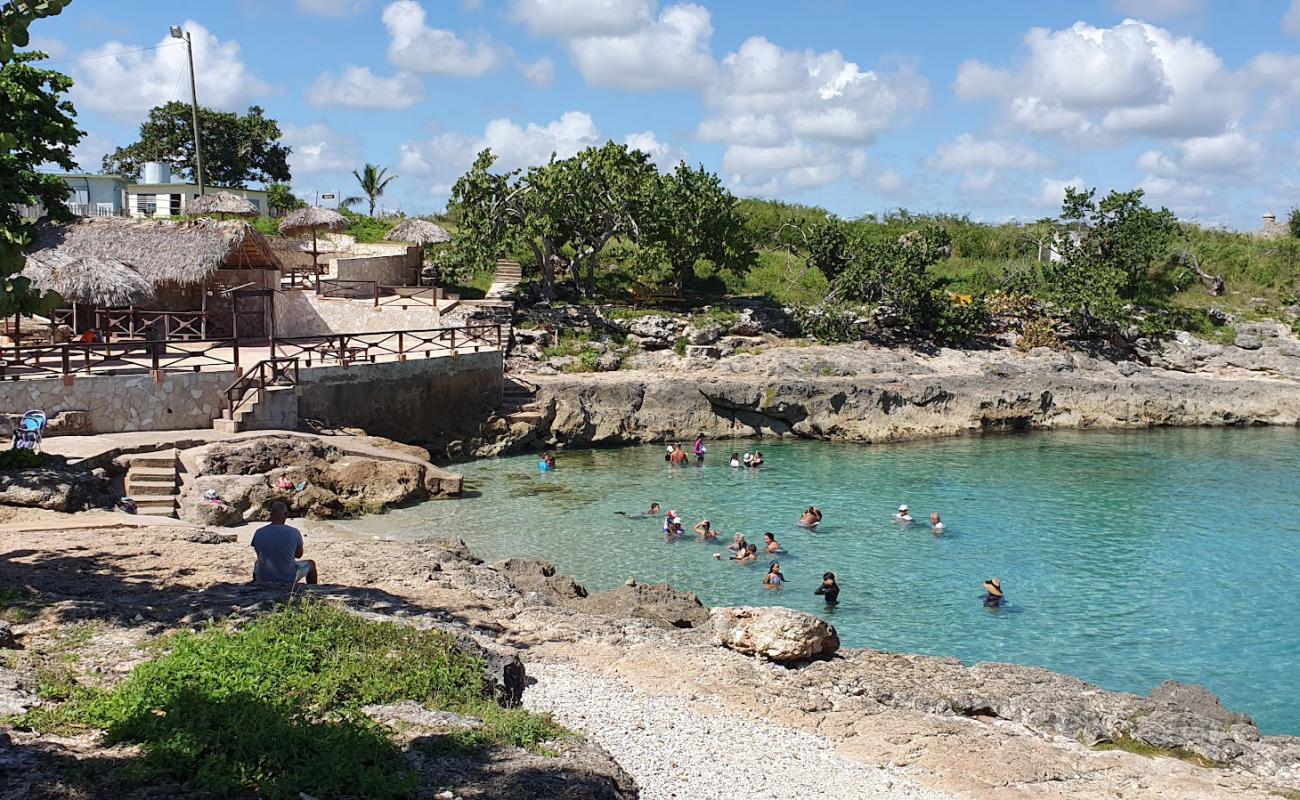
703,351
371,483
1248,339
7,640
659,603
777,634
608,362
538,577
703,334
55,487
758,321
656,331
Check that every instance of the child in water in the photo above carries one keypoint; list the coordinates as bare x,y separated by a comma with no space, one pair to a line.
829,589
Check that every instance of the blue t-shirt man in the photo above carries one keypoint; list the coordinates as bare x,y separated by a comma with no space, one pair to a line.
279,548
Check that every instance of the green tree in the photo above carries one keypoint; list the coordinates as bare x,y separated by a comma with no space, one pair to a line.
237,149
36,128
279,197
1108,248
689,218
374,179
1293,222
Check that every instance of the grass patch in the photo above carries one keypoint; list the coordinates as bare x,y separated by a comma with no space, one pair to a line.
18,604
1130,745
274,709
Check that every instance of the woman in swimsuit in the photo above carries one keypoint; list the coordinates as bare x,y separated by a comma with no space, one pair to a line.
705,531
750,553
770,544
810,518
735,459
757,460
774,577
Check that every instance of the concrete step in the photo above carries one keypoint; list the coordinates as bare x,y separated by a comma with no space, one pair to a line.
227,425
529,417
162,458
149,490
153,474
162,507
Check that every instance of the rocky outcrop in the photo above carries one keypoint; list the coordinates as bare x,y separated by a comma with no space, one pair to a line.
55,487
658,603
238,481
775,633
866,394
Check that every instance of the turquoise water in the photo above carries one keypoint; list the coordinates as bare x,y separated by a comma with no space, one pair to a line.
1127,558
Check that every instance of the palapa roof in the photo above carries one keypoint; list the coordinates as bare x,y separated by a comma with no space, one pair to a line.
93,280
418,231
305,220
222,203
163,251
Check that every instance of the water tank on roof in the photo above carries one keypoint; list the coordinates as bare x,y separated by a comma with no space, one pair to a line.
157,172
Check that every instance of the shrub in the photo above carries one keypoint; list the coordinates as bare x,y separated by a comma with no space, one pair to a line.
956,319
21,459
275,709
828,322
1039,332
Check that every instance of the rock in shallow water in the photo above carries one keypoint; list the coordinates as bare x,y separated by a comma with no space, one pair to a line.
777,634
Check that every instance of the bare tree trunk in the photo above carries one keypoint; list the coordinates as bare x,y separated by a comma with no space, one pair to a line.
1213,283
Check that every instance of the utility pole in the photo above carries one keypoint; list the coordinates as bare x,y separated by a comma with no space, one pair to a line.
194,105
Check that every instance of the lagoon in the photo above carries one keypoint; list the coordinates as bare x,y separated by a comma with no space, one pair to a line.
1127,558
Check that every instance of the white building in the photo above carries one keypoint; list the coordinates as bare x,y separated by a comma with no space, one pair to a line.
157,196
92,195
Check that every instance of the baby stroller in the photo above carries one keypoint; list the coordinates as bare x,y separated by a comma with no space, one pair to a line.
27,436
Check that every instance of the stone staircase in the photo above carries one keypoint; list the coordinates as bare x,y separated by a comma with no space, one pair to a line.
507,276
151,481
519,404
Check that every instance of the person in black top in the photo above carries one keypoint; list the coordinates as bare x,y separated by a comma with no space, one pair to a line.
993,597
829,589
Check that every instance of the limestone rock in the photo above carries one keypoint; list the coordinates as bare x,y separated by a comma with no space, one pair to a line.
655,331
775,633
608,362
539,577
702,334
659,603
7,640
703,351
55,487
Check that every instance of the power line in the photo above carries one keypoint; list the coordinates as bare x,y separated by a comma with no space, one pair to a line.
114,54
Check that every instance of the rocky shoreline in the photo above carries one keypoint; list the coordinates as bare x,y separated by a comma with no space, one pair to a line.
863,393
928,727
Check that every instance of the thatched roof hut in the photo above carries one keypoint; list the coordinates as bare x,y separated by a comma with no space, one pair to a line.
224,204
91,280
313,220
418,231
163,251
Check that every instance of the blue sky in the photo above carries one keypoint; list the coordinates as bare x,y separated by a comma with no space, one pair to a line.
989,109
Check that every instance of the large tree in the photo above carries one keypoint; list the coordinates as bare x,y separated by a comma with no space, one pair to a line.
691,218
1108,248
238,149
36,128
280,197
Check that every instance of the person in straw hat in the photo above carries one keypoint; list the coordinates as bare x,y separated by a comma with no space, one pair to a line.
903,515
993,596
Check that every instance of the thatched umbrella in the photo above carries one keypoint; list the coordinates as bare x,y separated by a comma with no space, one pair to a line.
418,231
222,204
93,280
314,220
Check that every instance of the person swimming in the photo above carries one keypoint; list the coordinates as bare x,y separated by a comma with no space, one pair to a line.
749,553
735,459
810,519
738,544
699,448
747,459
678,455
705,530
653,512
774,577
903,514
757,460
770,544
830,590
993,597
936,524
543,465
670,520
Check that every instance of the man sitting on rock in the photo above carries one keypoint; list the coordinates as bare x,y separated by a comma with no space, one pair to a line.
279,548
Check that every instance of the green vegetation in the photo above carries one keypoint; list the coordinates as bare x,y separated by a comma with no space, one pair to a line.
237,149
21,459
1130,745
17,604
275,708
366,229
280,197
36,128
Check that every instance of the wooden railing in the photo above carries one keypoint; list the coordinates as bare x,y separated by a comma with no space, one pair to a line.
407,296
136,323
45,361
353,348
300,278
342,288
265,373
117,358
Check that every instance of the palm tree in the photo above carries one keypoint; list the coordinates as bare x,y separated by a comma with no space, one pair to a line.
373,179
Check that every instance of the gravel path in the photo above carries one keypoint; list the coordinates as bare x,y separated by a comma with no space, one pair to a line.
675,753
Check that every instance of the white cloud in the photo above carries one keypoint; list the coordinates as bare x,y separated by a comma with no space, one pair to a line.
1291,20
540,73
1052,190
664,155
358,87
966,152
50,46
672,50
801,119
415,47
90,151
125,84
568,19
446,156
332,8
1229,156
320,148
1157,9
1110,83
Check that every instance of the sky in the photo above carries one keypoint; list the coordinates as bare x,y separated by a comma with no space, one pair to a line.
989,109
